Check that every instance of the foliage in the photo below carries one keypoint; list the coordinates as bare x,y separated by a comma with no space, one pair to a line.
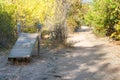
7,31
103,15
75,15
58,31
50,13
30,12
116,34
27,12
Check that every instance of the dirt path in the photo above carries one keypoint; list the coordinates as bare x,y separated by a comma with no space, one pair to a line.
90,59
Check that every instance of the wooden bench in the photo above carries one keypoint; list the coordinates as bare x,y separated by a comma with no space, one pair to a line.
24,46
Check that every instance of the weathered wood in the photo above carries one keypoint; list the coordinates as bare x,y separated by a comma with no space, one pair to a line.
18,28
39,39
23,46
38,46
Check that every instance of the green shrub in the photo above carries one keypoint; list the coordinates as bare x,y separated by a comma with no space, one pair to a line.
7,24
116,34
75,15
103,15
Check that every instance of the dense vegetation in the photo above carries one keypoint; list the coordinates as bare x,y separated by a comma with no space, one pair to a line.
7,23
27,12
104,17
58,17
75,16
52,14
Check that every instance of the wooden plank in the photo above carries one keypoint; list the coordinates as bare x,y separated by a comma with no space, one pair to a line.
24,45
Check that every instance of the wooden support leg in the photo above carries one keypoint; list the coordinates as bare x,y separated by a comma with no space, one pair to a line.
38,46
9,59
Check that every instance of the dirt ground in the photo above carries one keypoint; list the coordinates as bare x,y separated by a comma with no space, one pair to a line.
90,58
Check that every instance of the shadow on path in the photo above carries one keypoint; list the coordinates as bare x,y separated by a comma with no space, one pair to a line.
86,63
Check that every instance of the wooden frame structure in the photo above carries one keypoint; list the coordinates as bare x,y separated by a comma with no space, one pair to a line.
24,45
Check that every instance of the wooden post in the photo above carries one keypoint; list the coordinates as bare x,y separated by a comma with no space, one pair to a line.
18,29
38,46
39,39
39,26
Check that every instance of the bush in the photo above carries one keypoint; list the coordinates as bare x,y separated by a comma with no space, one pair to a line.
75,16
104,17
7,29
116,34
